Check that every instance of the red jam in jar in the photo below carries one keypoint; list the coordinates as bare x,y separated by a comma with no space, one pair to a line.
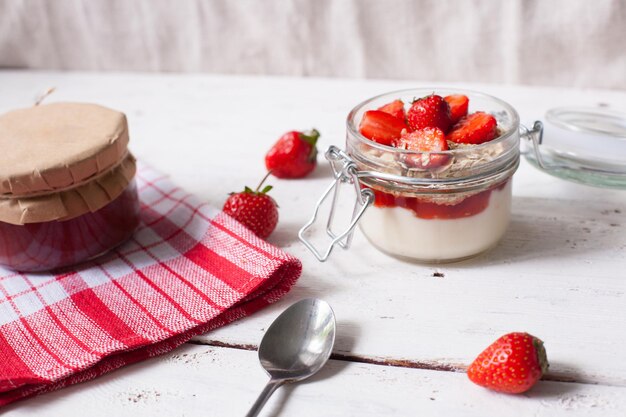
67,188
48,245
426,209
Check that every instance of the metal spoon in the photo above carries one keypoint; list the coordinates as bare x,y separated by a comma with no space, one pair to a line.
296,346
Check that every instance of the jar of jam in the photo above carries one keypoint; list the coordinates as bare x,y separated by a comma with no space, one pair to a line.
67,189
431,207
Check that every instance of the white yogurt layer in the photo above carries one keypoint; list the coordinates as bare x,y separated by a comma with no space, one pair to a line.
398,231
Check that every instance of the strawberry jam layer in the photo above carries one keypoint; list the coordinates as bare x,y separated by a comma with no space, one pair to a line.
400,232
48,245
424,209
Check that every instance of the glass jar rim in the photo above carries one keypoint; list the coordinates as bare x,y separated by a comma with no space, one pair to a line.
597,121
353,129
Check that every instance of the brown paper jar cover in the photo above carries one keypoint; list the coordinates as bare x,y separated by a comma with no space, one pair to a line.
61,160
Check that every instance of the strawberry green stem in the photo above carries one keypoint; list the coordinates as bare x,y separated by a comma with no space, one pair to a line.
542,358
310,136
262,181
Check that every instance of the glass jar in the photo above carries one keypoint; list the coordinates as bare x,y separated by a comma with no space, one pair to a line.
67,188
427,206
53,244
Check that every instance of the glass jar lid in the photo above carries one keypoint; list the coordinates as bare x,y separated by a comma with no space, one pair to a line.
584,145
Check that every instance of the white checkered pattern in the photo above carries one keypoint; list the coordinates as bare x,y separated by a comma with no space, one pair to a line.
188,268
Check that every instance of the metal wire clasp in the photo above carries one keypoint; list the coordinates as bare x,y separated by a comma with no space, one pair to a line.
344,171
535,135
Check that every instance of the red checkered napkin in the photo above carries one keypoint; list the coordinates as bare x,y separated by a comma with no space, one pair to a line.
189,269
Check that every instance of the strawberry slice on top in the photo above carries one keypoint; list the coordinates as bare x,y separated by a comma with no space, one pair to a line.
429,111
458,106
381,127
475,128
395,108
426,140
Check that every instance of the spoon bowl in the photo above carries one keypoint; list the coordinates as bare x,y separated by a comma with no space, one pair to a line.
296,345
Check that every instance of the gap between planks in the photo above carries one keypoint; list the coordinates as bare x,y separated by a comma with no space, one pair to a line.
400,363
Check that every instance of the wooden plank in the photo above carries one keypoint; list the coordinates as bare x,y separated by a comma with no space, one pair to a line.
559,273
209,381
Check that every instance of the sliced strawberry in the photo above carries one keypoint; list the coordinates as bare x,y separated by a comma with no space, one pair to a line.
429,111
474,129
381,127
426,140
395,108
458,106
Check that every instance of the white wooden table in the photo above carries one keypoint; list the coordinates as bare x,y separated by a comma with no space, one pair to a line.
405,332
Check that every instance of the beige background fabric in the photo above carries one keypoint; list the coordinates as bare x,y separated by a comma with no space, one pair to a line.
580,43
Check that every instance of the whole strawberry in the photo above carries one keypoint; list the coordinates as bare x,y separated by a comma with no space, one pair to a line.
511,364
254,209
294,155
429,111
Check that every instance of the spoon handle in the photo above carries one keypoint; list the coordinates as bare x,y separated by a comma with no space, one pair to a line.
269,389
